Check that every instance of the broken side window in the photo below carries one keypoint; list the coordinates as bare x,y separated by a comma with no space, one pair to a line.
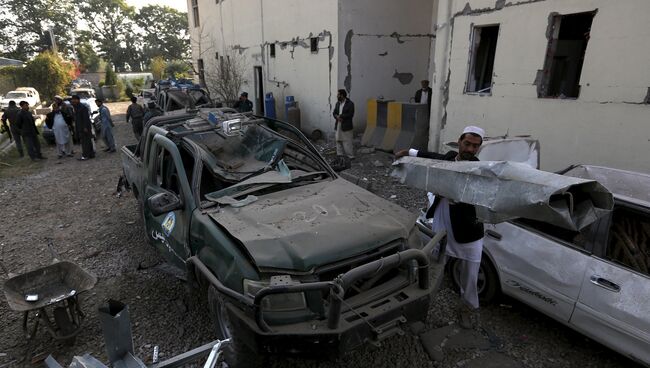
629,240
568,37
481,65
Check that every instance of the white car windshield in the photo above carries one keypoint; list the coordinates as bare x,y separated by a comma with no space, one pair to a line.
16,95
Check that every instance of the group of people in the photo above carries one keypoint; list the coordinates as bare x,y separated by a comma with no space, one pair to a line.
464,238
69,123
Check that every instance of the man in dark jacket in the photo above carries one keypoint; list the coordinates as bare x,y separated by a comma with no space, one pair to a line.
83,127
27,127
244,104
11,115
464,231
135,114
343,113
423,95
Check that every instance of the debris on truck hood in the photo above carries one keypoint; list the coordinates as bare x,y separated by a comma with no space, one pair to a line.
503,190
308,226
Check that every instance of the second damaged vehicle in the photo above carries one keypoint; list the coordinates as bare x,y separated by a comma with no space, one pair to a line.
293,258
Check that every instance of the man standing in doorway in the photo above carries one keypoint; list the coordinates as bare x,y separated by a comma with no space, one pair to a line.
464,231
423,95
135,112
107,126
343,113
83,127
244,104
27,127
11,115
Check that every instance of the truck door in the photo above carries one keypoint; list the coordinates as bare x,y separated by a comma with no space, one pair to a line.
168,201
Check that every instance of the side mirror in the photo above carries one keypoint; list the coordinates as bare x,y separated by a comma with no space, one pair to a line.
163,202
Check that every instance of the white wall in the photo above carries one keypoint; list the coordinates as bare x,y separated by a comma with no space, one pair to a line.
607,125
250,25
383,37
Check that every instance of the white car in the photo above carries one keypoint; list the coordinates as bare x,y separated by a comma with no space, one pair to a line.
596,281
22,94
87,97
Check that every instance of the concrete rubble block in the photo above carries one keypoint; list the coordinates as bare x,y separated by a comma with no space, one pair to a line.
493,359
433,340
468,339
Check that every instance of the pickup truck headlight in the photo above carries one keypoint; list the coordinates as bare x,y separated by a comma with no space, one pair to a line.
278,302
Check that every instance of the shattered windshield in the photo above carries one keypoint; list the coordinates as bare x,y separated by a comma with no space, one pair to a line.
15,95
257,158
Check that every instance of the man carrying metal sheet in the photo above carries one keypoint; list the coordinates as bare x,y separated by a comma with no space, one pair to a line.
464,231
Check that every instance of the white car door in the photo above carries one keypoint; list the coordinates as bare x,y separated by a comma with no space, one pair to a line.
614,304
540,264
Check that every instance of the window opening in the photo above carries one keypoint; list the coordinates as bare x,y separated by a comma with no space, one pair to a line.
629,240
272,50
195,12
314,44
484,46
565,55
201,68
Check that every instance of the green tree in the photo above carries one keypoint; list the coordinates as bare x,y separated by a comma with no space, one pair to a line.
157,66
111,26
25,24
165,32
178,69
110,79
88,58
49,74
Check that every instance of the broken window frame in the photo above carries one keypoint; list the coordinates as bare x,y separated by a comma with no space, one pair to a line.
475,43
313,44
546,78
195,13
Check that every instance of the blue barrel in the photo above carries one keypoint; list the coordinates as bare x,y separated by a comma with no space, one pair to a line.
289,101
269,106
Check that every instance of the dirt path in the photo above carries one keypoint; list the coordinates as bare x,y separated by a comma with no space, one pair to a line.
72,203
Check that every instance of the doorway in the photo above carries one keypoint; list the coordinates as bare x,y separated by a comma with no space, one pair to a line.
259,90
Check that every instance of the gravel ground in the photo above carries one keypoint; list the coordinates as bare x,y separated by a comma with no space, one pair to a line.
73,204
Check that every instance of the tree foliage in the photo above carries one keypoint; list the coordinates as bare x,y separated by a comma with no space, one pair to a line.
157,67
111,26
110,79
49,74
165,32
24,31
177,69
88,59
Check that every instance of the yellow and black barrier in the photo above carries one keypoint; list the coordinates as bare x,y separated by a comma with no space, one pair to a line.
392,126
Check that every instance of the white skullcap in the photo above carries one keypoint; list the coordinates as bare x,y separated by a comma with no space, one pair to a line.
475,130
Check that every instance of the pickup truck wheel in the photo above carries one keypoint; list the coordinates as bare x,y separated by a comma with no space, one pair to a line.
488,279
237,354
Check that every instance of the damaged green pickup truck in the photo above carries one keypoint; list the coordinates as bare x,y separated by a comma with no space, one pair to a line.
294,259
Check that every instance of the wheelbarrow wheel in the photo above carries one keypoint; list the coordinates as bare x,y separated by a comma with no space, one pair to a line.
237,353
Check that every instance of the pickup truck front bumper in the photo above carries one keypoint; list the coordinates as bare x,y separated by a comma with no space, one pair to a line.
347,324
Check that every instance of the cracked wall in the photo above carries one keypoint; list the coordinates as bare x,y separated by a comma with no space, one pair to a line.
612,106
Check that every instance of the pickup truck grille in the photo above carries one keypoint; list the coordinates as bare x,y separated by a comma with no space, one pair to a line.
331,271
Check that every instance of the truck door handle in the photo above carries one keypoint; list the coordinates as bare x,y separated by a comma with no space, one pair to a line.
604,283
493,234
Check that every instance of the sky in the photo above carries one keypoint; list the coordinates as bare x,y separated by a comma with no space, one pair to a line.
176,4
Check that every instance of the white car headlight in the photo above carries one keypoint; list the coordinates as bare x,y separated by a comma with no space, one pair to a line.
277,302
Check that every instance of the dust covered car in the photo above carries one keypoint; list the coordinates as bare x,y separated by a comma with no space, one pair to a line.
595,280
293,258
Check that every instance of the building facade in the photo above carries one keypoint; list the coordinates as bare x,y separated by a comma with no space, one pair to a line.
310,49
572,73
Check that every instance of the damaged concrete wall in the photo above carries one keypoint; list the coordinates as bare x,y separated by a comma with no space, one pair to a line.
248,27
385,50
606,125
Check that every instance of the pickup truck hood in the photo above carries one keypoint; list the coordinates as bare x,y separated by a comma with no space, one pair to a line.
313,225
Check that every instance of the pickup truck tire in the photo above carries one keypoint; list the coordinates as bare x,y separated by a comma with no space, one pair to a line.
488,279
237,354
